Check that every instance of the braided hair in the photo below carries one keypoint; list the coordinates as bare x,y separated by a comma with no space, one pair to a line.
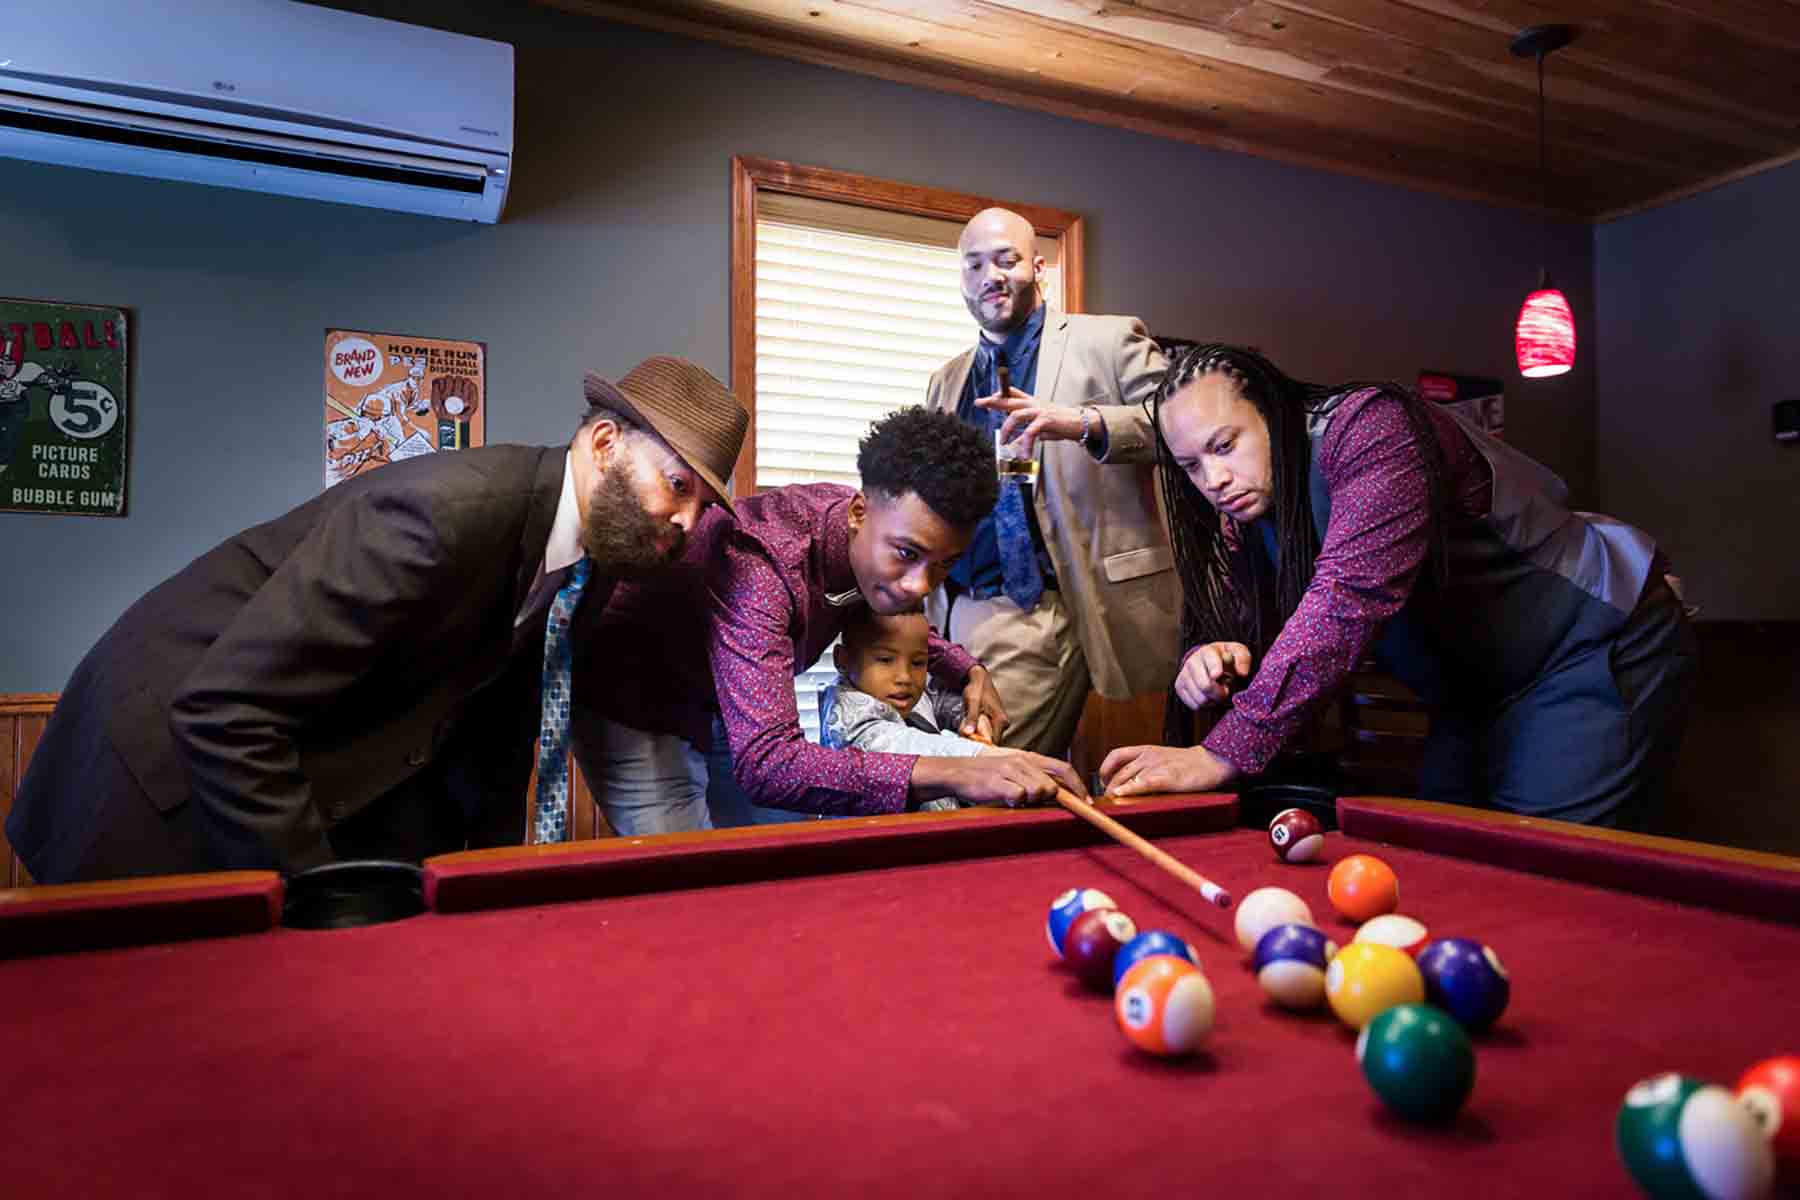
1230,592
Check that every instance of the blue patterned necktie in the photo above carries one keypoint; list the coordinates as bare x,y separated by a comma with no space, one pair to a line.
1020,577
551,804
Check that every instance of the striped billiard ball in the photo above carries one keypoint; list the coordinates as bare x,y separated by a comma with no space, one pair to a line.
1066,907
1681,1136
1296,836
1290,965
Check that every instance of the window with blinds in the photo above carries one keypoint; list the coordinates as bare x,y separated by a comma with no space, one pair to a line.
855,308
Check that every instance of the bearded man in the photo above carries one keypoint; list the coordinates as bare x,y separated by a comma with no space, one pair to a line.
363,676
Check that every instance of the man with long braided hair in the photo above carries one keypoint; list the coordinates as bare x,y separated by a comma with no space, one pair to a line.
1311,524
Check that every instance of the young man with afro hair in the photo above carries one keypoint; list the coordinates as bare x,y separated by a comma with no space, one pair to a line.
781,583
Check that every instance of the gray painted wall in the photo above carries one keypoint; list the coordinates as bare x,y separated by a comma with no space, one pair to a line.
615,246
1699,320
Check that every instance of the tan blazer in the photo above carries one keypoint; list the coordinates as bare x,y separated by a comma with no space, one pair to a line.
1100,519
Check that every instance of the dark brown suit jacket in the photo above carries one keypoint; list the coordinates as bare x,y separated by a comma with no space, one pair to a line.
287,688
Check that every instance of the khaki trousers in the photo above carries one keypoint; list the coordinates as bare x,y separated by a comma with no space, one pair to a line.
1037,665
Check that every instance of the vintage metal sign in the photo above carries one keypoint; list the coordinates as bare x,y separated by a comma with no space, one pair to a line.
63,427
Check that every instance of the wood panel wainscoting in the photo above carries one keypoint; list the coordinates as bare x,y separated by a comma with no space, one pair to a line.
23,716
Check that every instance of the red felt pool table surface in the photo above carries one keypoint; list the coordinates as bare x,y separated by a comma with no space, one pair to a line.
873,1010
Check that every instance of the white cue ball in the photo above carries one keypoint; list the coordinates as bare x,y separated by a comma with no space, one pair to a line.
1264,909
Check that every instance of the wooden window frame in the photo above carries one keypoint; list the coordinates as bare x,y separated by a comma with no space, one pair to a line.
752,177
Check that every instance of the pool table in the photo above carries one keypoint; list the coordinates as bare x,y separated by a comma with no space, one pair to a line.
865,1007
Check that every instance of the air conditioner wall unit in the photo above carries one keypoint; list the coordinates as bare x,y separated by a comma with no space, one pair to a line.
267,95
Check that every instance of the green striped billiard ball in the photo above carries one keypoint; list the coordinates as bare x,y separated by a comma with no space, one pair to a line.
1684,1137
1418,1060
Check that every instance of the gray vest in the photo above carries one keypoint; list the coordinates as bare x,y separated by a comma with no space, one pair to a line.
1529,585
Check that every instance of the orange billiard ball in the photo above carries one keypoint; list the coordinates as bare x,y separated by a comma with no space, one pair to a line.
1362,887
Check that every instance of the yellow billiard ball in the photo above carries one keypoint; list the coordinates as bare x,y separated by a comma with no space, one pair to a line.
1366,979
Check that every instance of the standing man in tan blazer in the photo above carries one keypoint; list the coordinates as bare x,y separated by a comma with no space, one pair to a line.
1070,582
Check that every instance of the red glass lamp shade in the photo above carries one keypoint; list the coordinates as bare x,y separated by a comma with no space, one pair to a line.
1545,338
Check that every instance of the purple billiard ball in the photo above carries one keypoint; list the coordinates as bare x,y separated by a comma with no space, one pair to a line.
1465,979
1290,963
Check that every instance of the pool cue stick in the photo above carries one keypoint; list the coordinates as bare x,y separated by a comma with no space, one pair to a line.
1162,858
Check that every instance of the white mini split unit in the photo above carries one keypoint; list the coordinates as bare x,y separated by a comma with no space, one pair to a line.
267,95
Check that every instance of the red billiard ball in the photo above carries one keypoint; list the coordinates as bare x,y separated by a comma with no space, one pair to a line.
1296,836
1771,1091
1093,941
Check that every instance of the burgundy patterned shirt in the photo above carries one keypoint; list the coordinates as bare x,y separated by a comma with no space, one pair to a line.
771,620
1374,544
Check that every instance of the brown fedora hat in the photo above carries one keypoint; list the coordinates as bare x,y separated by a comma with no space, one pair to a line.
687,408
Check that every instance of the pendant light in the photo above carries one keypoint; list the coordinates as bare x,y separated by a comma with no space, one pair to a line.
1544,338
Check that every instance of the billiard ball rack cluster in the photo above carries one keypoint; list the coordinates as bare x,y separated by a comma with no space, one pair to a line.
1415,1002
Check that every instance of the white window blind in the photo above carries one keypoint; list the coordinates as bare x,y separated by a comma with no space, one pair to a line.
855,308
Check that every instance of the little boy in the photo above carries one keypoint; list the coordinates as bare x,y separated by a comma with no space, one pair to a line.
884,700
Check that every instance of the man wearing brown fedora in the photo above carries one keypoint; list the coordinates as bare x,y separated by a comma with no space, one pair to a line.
362,676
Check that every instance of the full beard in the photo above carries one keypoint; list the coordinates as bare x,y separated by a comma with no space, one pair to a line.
622,539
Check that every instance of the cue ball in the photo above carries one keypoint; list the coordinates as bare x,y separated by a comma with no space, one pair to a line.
1362,887
1290,965
1392,929
1066,907
1365,980
1681,1136
1771,1091
1296,836
1465,979
1093,942
1418,1061
1264,909
1164,1005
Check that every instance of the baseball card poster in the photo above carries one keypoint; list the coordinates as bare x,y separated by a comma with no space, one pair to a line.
392,396
63,428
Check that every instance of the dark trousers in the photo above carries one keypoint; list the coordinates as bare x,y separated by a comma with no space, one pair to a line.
1594,739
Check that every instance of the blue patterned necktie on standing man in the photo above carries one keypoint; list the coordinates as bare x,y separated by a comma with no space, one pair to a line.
1020,577
551,804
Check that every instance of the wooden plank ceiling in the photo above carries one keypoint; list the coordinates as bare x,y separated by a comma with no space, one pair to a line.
1655,99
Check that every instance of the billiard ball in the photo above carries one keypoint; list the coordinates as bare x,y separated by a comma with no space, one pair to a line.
1364,980
1164,1005
1151,941
1296,835
1066,907
1092,943
1771,1091
1264,909
1465,979
1290,965
1681,1136
1362,886
1392,929
1418,1061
